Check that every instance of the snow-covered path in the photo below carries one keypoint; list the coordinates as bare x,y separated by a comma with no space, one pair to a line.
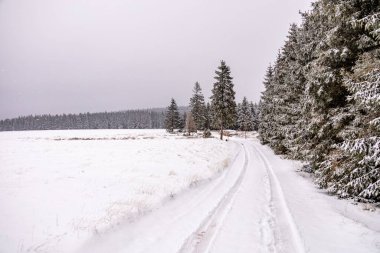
259,220
260,204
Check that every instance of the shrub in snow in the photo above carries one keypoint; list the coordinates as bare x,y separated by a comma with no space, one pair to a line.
207,133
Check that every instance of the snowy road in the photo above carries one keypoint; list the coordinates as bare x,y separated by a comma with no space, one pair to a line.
260,204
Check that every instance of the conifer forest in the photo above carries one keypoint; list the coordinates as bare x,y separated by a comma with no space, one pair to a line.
321,102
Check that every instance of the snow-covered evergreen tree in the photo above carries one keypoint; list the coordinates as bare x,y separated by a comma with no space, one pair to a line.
281,116
362,143
293,86
208,117
359,163
321,101
182,122
190,124
172,119
352,167
223,104
265,107
255,116
278,106
198,108
244,117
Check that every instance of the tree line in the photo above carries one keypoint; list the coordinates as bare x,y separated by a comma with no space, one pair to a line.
321,102
220,113
130,119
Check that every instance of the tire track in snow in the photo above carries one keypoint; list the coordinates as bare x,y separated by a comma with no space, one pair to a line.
203,238
295,235
171,221
267,223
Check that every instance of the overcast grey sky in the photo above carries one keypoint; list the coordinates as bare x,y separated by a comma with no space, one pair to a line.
69,56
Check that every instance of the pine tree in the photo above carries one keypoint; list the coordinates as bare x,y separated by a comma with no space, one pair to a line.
352,166
245,119
172,119
292,91
182,122
255,116
335,55
198,108
278,138
322,100
190,124
265,107
358,157
223,104
208,118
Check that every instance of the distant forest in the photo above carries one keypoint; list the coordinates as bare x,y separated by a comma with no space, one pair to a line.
129,119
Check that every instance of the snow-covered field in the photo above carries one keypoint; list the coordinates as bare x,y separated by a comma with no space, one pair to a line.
102,191
60,188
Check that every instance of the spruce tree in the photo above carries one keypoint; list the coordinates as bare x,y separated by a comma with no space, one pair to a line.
265,107
190,124
245,119
208,118
182,124
293,86
324,86
223,104
351,168
255,116
278,138
198,108
172,119
321,100
361,146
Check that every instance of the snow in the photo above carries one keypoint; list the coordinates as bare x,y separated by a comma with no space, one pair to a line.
59,188
324,223
148,191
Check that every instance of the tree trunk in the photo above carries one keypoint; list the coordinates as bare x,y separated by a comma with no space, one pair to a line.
221,131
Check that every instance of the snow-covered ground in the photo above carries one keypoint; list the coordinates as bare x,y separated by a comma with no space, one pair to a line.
146,191
261,204
59,188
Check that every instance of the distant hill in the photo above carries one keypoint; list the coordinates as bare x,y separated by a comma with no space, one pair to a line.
128,119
